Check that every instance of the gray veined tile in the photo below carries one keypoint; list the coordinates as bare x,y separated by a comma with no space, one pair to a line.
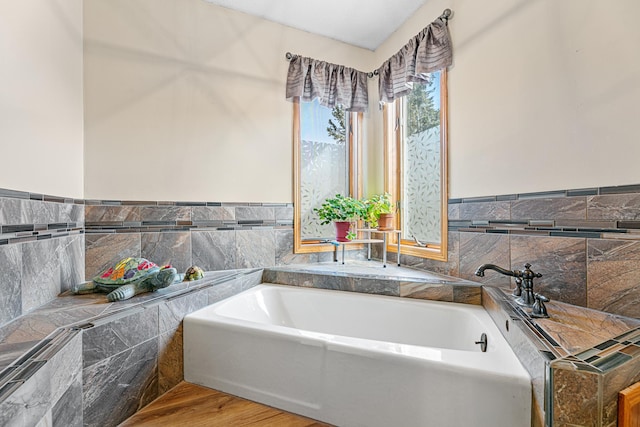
114,388
213,213
113,337
72,262
255,248
10,283
67,411
168,248
40,273
214,250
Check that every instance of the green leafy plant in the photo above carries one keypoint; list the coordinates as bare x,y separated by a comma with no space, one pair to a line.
340,208
377,205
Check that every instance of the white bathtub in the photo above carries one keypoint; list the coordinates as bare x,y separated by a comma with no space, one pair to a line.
358,360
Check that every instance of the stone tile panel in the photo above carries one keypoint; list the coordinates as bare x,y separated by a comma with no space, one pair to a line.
213,213
613,268
170,360
108,339
479,248
167,248
106,249
549,208
485,211
116,387
10,283
214,250
614,207
40,273
255,248
561,261
100,213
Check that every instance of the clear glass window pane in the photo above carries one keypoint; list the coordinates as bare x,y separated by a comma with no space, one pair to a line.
421,168
324,163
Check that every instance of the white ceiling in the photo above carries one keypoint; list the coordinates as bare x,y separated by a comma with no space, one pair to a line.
363,23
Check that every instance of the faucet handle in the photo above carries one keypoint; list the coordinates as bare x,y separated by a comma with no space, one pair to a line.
527,273
539,310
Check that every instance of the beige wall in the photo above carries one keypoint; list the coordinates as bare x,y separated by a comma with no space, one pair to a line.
41,124
543,94
185,101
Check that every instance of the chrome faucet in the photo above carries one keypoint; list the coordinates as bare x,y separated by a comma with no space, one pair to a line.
524,282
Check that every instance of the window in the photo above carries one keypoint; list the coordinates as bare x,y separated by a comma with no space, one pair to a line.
416,167
326,162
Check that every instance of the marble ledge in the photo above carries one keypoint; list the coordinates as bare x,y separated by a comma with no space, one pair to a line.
24,334
371,277
573,333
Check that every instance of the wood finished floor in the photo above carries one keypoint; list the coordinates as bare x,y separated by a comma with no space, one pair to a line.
191,405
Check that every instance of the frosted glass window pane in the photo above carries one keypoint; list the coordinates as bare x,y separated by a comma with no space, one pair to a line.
421,199
324,166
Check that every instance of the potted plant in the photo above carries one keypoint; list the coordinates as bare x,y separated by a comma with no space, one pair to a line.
379,212
341,210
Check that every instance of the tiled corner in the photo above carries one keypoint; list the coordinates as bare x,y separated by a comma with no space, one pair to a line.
10,283
613,264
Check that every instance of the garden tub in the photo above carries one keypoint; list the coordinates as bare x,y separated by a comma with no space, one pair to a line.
353,359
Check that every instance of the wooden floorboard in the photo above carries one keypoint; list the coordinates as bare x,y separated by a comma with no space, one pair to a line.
194,406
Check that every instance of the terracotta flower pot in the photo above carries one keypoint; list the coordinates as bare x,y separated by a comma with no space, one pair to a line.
385,222
342,228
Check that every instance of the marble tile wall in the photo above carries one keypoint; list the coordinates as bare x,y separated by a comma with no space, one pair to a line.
213,236
41,250
586,243
99,371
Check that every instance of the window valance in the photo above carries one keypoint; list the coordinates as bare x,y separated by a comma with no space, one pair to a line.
425,53
332,84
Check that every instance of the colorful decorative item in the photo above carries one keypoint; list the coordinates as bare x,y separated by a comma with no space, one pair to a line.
193,273
129,277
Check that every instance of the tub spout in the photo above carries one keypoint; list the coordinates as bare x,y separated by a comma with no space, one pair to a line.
524,281
483,267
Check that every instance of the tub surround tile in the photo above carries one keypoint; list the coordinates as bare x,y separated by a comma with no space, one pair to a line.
284,250
170,248
10,283
467,294
170,360
612,383
575,397
428,291
213,213
111,214
255,213
113,337
105,402
104,250
561,261
165,213
71,253
214,250
478,249
30,402
66,364
574,208
40,274
66,412
485,210
255,248
613,264
173,311
614,207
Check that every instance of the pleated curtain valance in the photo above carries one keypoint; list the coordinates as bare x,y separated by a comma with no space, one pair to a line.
332,84
427,52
